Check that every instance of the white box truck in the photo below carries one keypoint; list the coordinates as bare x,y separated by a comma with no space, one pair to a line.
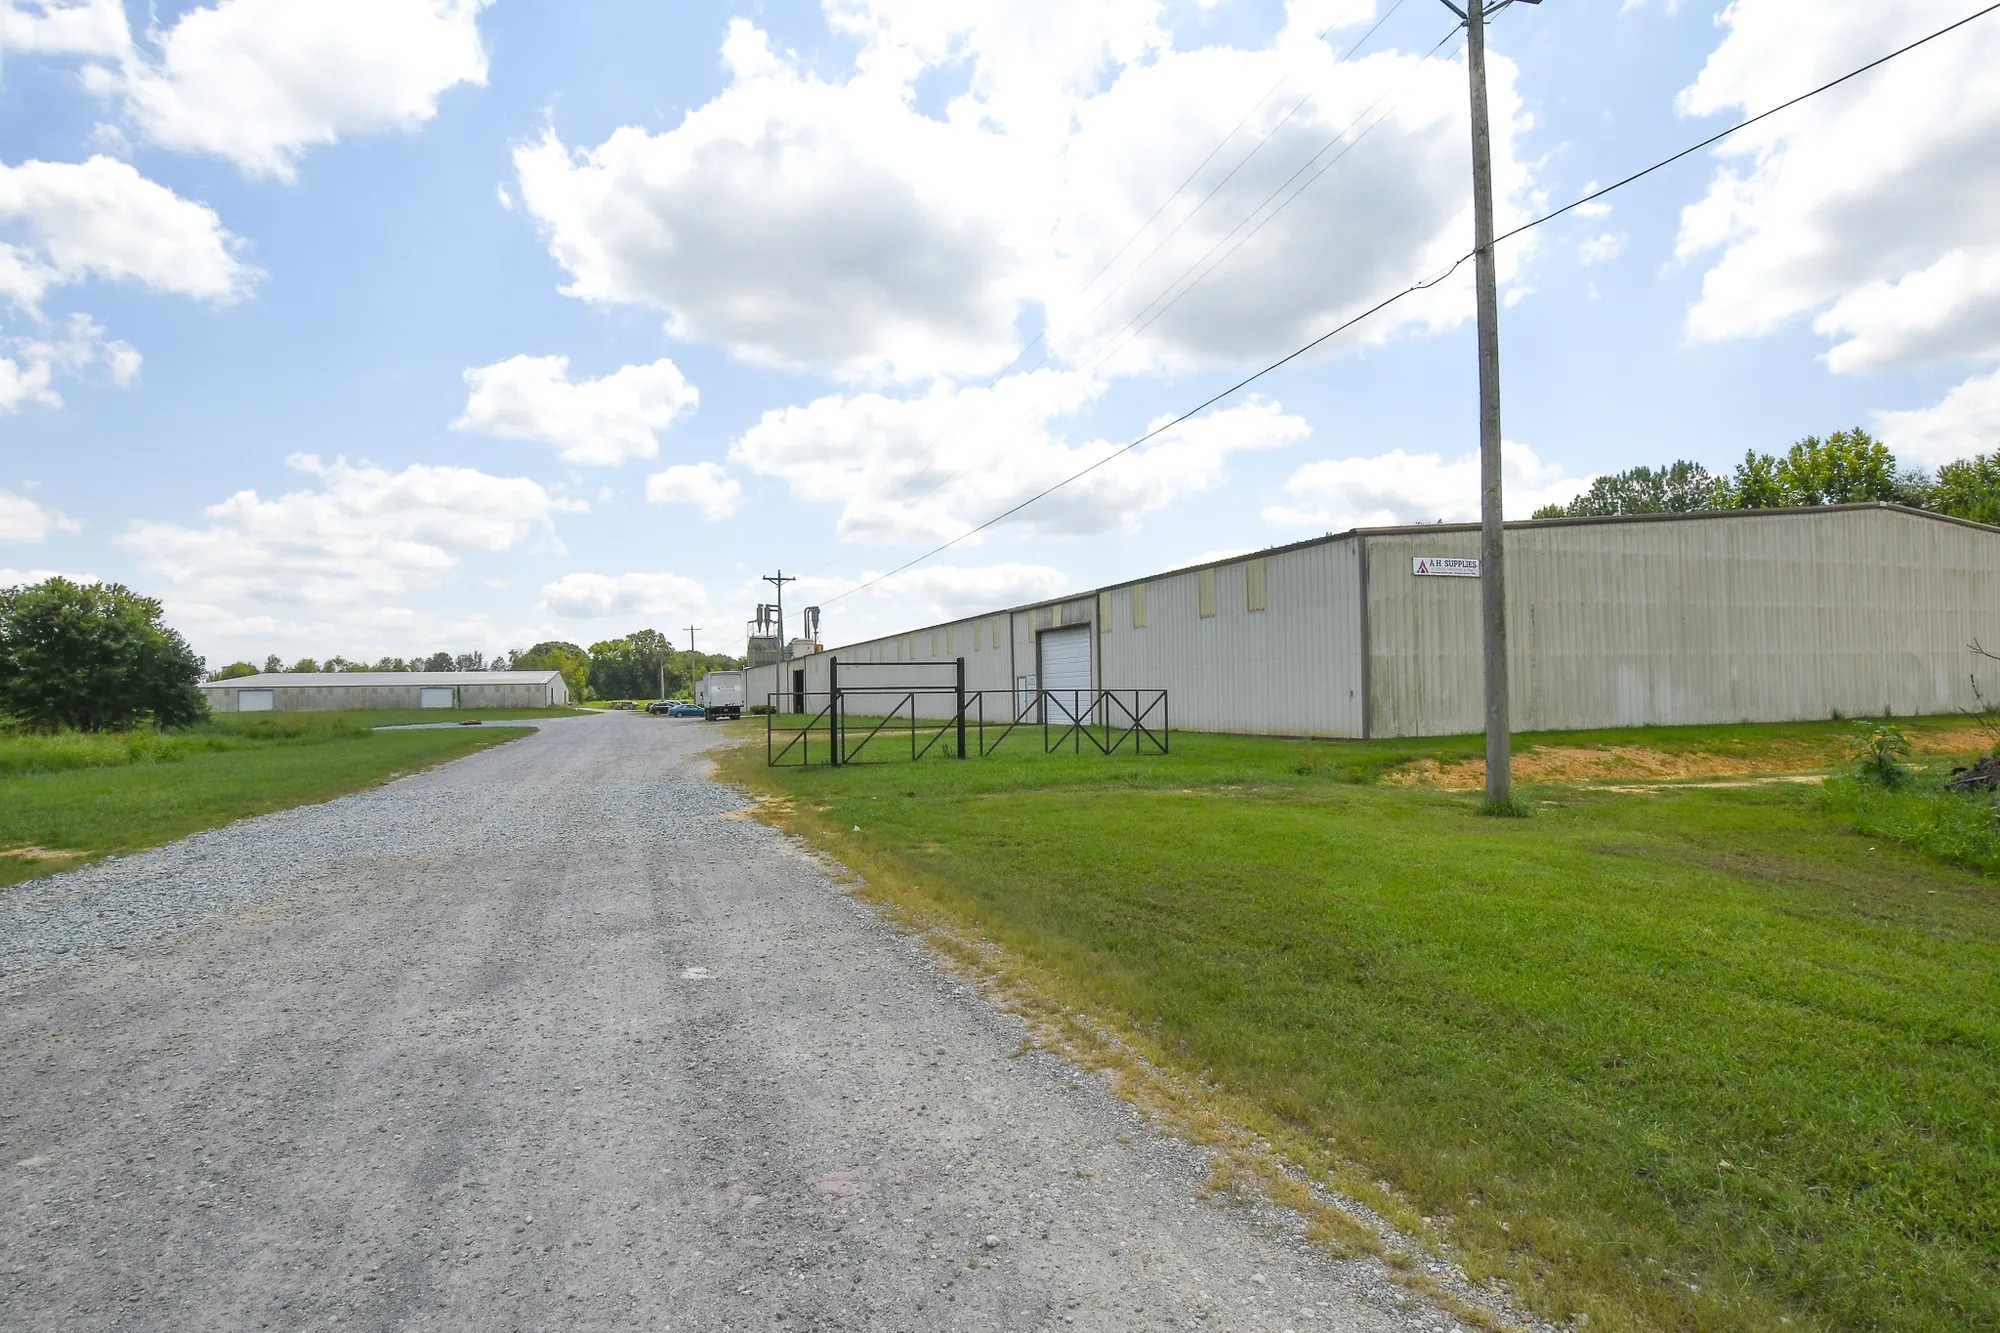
720,694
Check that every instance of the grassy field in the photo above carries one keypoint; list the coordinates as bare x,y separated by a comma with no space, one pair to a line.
67,800
1670,1055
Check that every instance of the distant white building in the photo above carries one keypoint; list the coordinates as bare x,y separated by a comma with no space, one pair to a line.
312,691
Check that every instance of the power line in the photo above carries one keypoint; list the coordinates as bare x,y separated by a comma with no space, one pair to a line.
1105,349
1136,326
1345,56
1410,290
1049,346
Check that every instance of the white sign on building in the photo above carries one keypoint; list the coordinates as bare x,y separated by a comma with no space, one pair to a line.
1444,566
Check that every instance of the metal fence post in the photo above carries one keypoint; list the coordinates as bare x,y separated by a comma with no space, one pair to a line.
833,706
961,708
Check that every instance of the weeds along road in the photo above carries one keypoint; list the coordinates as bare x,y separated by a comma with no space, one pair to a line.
548,1039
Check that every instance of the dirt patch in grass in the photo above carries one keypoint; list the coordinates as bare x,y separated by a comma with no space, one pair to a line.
1595,763
41,853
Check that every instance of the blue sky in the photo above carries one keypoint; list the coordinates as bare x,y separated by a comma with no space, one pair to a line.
395,325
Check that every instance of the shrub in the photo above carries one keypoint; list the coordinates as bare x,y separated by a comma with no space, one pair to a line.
1924,815
1879,749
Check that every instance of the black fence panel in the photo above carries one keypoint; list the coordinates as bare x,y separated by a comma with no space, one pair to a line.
890,722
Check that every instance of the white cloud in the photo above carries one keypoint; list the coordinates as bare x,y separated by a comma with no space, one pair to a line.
361,535
22,520
65,27
704,485
1965,422
29,365
101,219
1871,206
603,421
798,222
827,223
584,596
261,81
1398,488
1600,249
929,467
19,578
1393,209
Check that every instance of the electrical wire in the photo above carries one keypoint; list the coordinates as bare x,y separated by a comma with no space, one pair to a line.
1105,349
1410,290
1049,346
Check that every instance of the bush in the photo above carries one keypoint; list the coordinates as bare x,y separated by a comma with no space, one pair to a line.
758,710
1879,749
1923,814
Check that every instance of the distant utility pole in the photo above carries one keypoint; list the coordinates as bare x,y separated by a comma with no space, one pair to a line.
1492,517
691,633
780,579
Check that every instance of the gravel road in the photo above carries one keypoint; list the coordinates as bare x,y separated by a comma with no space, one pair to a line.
553,1038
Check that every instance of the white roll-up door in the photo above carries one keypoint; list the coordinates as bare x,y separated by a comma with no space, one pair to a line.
435,696
253,701
1065,671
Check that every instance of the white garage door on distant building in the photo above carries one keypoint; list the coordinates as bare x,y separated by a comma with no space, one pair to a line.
1065,671
436,696
253,701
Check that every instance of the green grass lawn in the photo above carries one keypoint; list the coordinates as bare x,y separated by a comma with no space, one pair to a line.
68,800
1693,1059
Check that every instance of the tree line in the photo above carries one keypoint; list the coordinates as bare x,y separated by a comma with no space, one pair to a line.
1847,467
632,667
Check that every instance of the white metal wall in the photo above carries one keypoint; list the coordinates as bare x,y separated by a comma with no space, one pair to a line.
1290,669
1756,617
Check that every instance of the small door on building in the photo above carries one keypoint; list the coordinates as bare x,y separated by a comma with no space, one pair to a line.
799,691
436,696
1064,659
253,701
1024,697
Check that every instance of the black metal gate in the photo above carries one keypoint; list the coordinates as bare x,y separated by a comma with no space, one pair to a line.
878,722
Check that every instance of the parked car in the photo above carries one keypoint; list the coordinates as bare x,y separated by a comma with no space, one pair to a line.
681,708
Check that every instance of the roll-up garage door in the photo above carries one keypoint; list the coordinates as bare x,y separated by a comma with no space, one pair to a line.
436,696
253,701
1065,672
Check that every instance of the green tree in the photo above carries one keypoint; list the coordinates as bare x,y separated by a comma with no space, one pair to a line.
234,670
1847,467
305,665
437,662
651,651
1969,488
1678,488
555,655
93,657
274,664
1755,484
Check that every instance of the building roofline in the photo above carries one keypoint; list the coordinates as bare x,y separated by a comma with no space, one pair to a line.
1419,529
303,680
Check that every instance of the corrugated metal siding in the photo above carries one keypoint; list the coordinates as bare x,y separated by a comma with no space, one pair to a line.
1755,618
1293,669
329,698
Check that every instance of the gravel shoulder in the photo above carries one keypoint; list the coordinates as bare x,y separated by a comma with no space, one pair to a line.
552,1037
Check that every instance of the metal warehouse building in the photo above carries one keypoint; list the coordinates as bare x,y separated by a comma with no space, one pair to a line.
1763,615
304,691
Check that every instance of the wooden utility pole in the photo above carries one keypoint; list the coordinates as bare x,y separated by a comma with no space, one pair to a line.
691,633
1492,516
